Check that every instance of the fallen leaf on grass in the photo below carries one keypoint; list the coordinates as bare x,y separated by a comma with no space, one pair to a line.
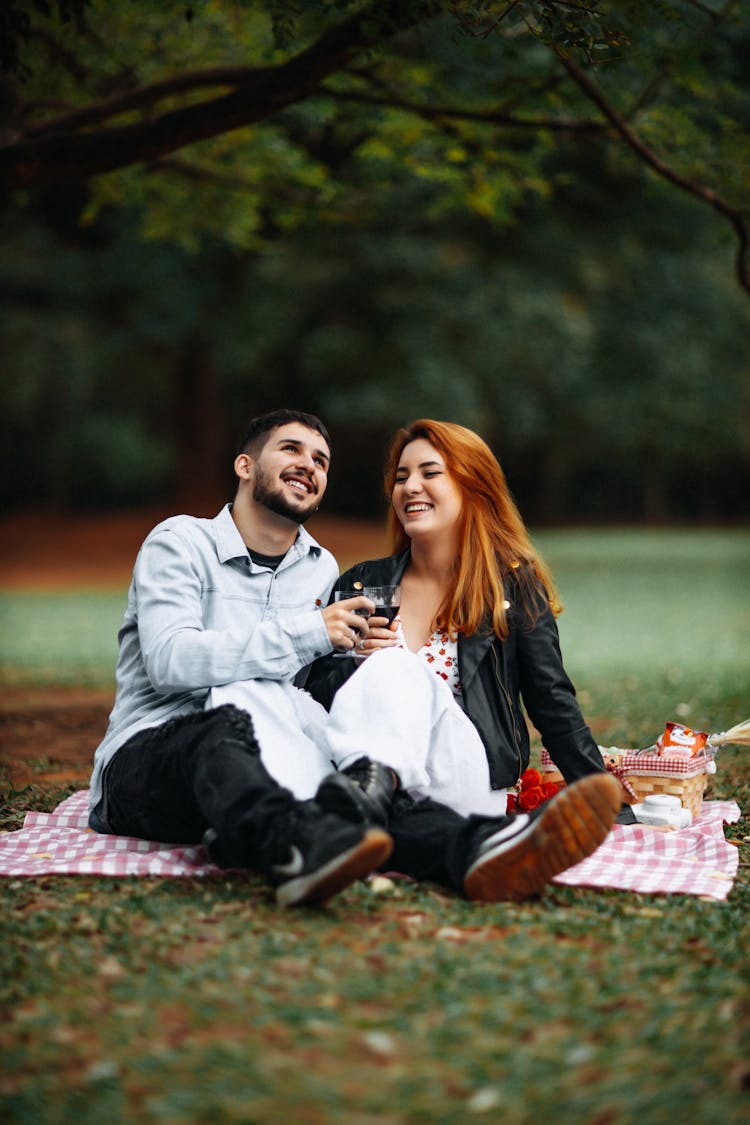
110,969
381,1042
412,924
482,1101
41,902
101,1071
85,924
381,885
450,933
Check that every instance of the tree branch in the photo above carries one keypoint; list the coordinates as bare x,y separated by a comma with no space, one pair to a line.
715,16
68,156
650,158
484,117
147,96
200,174
491,22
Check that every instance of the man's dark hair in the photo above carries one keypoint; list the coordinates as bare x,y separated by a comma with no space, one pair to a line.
256,434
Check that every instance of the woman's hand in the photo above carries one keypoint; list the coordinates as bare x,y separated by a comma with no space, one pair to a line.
346,622
379,635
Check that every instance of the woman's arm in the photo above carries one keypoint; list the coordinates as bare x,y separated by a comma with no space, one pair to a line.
549,695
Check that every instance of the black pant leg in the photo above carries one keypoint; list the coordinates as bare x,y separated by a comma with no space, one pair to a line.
171,783
432,843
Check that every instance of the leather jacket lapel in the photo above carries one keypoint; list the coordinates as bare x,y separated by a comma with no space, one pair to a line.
471,652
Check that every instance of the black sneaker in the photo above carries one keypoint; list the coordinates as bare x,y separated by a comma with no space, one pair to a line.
361,793
531,848
319,854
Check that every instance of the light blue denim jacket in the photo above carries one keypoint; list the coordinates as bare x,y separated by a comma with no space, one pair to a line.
201,613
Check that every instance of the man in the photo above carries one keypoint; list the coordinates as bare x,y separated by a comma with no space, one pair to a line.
233,598
243,599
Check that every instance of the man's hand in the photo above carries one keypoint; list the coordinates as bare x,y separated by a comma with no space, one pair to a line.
346,621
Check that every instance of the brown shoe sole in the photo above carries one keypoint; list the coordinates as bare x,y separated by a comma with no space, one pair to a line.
571,827
317,887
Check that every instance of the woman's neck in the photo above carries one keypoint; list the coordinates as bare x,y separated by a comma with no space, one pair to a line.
432,559
423,589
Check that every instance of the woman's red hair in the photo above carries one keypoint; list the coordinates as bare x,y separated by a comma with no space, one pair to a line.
492,537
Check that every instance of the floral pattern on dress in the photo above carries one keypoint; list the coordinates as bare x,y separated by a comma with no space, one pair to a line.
441,654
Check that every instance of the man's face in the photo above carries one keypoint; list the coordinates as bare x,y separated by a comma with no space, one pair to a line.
290,473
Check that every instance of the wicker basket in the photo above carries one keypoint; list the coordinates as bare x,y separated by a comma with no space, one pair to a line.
641,776
689,789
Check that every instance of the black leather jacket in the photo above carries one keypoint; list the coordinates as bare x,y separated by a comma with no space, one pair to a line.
495,675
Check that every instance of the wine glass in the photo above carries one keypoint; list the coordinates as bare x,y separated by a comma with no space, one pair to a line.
387,600
342,596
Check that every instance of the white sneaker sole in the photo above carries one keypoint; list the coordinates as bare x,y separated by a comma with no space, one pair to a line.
571,827
318,886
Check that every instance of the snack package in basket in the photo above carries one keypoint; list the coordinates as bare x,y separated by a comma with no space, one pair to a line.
677,765
681,742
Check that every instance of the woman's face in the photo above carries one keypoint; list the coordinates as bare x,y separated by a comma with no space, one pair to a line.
425,497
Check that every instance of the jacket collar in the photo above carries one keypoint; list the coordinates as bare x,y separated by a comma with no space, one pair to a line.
231,545
399,564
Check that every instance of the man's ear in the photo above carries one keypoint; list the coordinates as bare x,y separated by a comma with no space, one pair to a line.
243,466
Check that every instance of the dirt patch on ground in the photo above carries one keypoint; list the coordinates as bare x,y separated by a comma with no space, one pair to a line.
48,735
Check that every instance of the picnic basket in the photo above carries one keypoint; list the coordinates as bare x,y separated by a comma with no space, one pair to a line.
656,770
650,772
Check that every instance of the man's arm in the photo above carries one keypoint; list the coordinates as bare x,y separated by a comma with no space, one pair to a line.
193,638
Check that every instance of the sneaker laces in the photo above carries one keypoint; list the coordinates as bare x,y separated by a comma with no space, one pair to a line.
365,772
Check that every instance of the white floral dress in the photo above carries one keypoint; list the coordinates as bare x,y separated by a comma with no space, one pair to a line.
440,653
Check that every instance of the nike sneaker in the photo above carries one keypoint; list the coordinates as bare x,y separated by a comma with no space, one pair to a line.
321,855
518,860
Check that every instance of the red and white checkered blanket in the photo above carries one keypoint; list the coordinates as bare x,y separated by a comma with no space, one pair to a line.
695,860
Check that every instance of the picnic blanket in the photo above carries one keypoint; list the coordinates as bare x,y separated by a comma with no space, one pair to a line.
696,860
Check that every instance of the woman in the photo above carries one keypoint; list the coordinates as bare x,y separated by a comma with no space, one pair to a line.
475,636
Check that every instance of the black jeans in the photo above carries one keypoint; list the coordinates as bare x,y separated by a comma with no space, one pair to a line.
432,843
171,783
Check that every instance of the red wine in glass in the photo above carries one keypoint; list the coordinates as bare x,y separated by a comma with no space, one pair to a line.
387,600
345,595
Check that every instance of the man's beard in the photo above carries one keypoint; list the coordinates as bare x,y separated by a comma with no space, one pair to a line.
274,499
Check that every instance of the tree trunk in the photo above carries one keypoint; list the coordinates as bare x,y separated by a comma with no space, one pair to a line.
204,476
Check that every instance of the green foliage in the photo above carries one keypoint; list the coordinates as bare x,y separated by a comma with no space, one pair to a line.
16,27
673,70
610,379
444,224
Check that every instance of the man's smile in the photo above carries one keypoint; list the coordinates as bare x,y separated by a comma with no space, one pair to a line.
300,483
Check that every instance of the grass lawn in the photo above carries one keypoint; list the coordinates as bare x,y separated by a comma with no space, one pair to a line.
187,1001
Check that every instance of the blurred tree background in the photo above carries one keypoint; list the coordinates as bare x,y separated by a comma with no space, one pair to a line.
526,217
